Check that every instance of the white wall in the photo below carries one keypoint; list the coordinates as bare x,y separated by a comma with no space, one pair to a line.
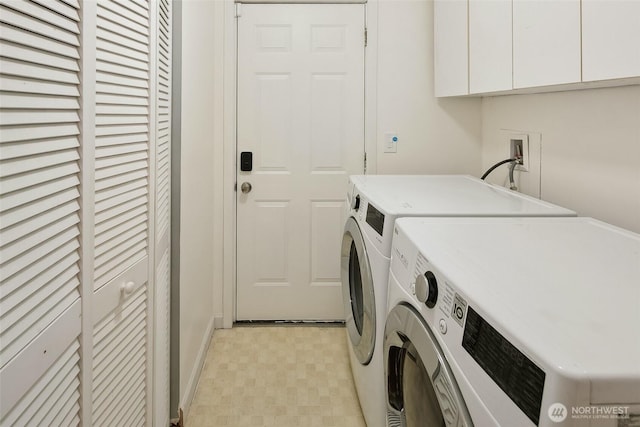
590,159
435,135
198,175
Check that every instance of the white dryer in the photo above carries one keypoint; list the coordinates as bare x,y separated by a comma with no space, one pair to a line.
513,322
375,202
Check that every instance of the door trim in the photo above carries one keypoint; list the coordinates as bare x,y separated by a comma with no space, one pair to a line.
226,48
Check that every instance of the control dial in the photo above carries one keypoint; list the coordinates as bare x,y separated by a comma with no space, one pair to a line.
355,205
427,289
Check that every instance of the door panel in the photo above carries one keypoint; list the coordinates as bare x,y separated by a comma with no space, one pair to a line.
40,203
301,113
327,220
120,363
162,265
121,164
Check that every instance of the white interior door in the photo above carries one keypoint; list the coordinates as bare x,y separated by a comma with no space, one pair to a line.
301,114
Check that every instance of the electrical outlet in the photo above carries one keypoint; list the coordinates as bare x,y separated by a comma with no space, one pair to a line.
519,146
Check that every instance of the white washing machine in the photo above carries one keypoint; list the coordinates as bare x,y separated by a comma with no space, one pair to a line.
375,202
513,322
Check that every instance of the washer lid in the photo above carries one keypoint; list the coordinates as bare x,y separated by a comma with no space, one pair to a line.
564,290
449,195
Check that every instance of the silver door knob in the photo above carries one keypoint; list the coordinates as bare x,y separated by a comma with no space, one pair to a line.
245,187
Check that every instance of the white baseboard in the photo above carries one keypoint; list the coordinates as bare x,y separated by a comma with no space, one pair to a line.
192,385
218,321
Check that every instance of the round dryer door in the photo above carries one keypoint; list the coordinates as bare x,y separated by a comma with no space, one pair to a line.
421,389
357,292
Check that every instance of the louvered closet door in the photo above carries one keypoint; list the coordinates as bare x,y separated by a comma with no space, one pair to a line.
121,305
39,213
163,214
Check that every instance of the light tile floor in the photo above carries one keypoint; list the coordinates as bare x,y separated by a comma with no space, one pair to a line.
283,376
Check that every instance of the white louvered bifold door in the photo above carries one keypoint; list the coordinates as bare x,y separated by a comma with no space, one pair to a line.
121,368
84,136
163,212
39,213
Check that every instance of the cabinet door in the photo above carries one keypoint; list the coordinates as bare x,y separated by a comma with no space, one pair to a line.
490,46
451,52
610,39
546,42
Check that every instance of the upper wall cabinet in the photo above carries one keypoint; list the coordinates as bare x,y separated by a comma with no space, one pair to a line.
490,46
451,53
546,42
610,39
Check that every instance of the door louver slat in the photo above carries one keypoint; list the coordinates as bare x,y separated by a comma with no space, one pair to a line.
56,252
26,117
125,36
112,11
21,19
73,3
60,7
32,194
36,72
26,54
36,41
66,265
13,134
34,148
125,51
37,300
142,11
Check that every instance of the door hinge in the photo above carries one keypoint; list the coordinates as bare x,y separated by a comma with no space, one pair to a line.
235,186
366,36
365,163
238,10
